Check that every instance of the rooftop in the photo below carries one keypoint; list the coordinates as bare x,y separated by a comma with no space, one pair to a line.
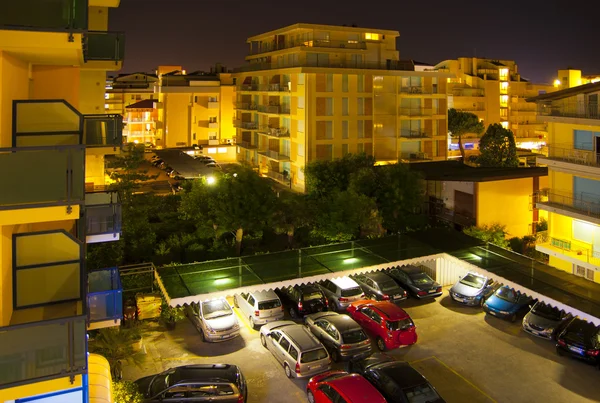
457,171
306,26
567,93
145,104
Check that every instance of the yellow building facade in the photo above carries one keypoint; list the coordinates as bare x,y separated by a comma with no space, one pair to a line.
494,91
572,199
312,92
568,78
53,139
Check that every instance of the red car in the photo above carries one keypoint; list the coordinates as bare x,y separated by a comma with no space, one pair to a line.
340,386
391,326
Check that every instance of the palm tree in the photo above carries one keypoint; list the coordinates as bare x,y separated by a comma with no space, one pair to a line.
116,345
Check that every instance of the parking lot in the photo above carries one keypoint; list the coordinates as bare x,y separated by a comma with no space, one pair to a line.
466,355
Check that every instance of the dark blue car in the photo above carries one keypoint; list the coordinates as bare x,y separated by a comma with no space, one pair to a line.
507,303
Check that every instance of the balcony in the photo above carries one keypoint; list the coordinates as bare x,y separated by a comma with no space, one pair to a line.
344,64
569,109
468,92
45,176
274,155
279,177
103,217
103,131
566,153
213,105
418,90
246,144
44,15
413,134
274,109
105,298
586,207
35,352
213,125
265,47
245,125
246,106
265,87
278,132
103,46
566,249
419,112
415,156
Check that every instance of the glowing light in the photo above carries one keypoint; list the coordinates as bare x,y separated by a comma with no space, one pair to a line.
136,141
220,281
556,83
210,180
474,256
350,260
235,175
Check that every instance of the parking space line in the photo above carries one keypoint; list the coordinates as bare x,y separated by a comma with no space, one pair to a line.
244,321
464,379
421,360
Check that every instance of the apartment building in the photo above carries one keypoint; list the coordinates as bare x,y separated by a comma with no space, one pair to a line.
572,199
194,108
127,89
54,136
311,92
568,78
495,91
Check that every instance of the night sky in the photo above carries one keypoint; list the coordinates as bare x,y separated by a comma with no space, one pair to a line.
542,36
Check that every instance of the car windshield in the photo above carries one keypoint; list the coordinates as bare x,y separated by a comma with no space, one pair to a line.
216,309
313,355
312,295
546,311
473,281
421,279
421,394
402,324
272,304
351,292
507,294
160,382
353,336
387,286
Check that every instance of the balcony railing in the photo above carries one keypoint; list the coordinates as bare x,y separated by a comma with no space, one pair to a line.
348,64
245,125
274,155
569,109
274,109
44,15
265,47
247,106
573,155
265,87
40,351
417,90
419,111
585,204
274,131
278,177
413,133
104,46
103,214
568,248
105,295
468,92
418,156
44,176
103,130
246,144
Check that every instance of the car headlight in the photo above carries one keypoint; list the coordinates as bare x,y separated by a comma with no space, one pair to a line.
504,312
469,298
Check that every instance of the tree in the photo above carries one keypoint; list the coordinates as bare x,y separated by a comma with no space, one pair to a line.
461,123
323,177
498,148
238,201
116,345
494,233
291,212
126,392
126,174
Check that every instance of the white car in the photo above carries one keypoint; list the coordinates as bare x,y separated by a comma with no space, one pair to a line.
259,307
214,319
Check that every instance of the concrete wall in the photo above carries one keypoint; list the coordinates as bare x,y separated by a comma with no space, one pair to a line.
448,189
14,84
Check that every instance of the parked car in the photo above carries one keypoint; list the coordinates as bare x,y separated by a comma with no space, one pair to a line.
340,386
204,158
340,334
295,347
379,286
300,300
341,292
157,162
473,289
544,320
195,383
580,339
416,282
173,173
214,319
259,307
397,381
507,303
387,322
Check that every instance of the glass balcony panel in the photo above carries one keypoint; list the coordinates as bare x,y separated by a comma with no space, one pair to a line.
43,350
42,176
103,213
103,130
52,15
105,299
103,45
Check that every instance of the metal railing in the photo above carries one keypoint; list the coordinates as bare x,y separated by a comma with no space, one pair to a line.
278,176
39,351
274,155
265,47
246,144
569,109
586,204
413,133
245,125
347,64
44,15
274,131
418,156
105,295
246,106
567,153
42,176
103,46
468,92
419,111
419,90
103,130
566,246
265,87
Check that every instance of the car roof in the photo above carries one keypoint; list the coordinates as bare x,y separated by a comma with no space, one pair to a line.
342,322
308,287
390,310
206,372
476,274
410,269
268,295
357,387
301,336
401,373
378,276
344,282
582,327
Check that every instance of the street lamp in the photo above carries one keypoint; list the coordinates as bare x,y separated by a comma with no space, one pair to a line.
210,180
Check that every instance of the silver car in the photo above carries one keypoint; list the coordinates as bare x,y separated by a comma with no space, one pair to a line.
214,319
341,292
473,289
259,307
544,320
294,346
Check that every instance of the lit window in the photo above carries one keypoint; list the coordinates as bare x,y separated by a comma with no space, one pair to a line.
222,150
211,150
105,106
504,100
504,87
371,37
106,96
504,124
503,73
